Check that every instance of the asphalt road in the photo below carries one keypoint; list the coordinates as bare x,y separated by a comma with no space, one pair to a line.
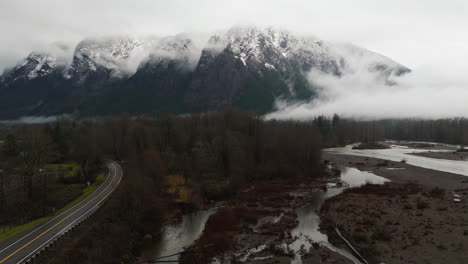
24,246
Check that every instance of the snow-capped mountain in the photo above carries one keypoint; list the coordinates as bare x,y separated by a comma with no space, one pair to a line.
275,49
178,48
246,67
274,65
34,66
102,58
272,48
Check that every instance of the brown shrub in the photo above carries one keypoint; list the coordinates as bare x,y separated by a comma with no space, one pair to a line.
421,204
389,189
437,192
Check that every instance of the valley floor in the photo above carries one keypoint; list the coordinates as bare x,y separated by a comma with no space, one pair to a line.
412,219
256,225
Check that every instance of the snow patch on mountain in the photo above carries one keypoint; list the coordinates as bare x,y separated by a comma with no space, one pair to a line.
269,66
110,55
33,66
40,64
121,57
180,48
257,47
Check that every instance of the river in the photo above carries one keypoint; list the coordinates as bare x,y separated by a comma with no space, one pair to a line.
307,230
399,152
179,236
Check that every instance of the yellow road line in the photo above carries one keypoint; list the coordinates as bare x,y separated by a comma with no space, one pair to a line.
12,254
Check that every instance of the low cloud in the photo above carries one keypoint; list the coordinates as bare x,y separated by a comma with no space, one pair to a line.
423,93
34,120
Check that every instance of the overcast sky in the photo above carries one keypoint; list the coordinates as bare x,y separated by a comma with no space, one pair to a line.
415,33
429,36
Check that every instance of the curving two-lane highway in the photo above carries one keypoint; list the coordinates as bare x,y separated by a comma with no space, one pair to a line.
22,247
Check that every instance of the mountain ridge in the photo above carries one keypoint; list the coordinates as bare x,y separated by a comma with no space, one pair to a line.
248,67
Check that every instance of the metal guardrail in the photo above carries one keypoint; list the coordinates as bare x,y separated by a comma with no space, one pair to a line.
66,230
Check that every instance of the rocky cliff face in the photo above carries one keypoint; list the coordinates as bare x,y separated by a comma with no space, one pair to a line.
246,67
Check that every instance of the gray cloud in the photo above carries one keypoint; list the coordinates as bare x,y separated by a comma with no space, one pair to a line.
424,93
412,32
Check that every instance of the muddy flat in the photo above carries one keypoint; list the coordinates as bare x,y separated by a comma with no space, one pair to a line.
421,216
398,223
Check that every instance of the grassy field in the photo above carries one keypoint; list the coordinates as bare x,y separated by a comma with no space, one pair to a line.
69,169
85,193
175,185
191,192
17,229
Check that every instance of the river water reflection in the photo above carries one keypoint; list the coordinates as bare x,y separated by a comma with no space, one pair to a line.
307,231
176,237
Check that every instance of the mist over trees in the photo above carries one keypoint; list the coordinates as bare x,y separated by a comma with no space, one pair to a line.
337,131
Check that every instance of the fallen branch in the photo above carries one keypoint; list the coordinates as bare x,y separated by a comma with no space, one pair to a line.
351,246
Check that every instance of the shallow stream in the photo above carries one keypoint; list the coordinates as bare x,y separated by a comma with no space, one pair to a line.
307,231
176,237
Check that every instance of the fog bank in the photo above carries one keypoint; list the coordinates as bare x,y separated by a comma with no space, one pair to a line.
423,93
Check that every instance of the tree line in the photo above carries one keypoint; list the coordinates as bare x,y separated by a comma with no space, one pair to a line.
338,131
